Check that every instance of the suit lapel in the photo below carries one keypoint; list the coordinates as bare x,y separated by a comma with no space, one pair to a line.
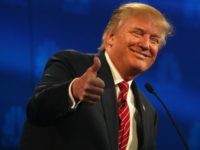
109,102
139,116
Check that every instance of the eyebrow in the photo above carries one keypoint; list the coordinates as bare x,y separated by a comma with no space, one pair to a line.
142,30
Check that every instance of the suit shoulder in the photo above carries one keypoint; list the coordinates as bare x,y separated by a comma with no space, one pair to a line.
72,54
72,58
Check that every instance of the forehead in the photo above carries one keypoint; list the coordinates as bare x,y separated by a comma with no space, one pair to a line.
144,22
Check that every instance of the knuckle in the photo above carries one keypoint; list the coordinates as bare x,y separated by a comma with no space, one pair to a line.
101,82
83,96
101,91
98,97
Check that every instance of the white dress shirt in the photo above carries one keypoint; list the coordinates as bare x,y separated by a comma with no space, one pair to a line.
133,140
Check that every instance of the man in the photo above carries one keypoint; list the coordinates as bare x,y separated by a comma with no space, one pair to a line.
79,104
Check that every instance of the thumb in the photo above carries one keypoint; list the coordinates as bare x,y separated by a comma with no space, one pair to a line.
96,65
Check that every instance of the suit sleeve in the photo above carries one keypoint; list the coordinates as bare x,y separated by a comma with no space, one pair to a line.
50,101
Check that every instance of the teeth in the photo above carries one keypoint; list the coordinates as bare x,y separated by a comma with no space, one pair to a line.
141,53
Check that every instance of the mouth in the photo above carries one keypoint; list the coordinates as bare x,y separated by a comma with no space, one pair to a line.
144,54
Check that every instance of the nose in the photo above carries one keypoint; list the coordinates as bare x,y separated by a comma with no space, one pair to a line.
145,42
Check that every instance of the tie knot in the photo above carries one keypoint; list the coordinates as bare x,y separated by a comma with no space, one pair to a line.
123,86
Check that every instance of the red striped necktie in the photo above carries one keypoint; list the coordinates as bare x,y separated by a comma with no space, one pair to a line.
124,116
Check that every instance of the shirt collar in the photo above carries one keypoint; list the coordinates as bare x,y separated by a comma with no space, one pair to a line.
115,73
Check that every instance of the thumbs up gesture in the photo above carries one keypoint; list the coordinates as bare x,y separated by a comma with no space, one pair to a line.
88,87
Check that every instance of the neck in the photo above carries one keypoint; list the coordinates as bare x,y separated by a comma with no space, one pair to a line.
126,73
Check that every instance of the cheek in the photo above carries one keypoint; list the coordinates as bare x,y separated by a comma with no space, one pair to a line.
153,58
154,52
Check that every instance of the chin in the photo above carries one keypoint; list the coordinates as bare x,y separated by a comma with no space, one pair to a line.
140,67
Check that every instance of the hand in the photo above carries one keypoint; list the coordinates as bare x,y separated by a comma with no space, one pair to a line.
89,88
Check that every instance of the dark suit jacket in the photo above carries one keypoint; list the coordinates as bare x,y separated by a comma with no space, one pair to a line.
51,125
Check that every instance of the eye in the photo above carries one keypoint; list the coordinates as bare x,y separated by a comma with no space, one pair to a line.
137,33
155,40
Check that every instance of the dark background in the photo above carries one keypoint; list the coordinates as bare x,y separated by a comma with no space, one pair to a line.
33,30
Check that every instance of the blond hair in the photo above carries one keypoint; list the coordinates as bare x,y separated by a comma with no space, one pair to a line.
137,9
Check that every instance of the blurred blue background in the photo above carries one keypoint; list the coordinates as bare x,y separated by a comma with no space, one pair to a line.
33,30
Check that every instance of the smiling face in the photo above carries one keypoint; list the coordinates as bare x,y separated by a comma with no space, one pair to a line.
134,45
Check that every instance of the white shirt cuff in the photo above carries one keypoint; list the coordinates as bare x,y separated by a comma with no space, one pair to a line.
74,104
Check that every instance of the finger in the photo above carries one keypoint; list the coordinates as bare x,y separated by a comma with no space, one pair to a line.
91,93
92,98
96,65
95,90
98,82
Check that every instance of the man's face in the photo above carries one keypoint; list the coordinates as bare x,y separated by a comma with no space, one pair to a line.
134,45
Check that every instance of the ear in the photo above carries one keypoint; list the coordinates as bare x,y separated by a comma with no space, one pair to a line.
109,38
